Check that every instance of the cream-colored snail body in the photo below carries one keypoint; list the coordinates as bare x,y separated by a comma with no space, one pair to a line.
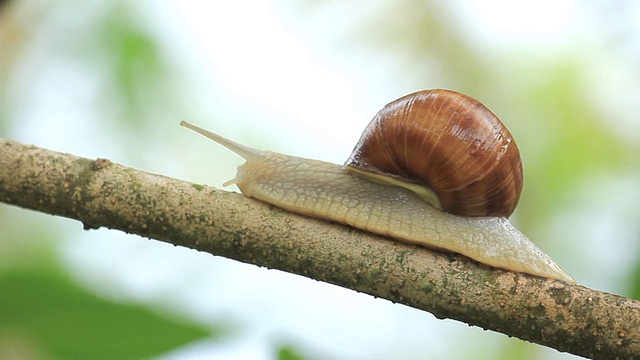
388,200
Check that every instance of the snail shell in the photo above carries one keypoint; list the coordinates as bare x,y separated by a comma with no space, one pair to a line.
448,142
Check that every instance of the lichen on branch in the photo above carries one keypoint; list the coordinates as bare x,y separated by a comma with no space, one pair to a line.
100,193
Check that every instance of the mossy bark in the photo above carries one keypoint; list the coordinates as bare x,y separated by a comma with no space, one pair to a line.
99,193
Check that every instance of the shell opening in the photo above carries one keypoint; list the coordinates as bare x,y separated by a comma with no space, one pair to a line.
426,193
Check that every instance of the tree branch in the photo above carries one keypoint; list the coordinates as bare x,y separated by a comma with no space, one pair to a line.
99,193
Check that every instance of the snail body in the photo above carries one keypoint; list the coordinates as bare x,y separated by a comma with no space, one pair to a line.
382,204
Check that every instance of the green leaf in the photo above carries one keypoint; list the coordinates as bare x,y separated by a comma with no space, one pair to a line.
288,353
634,291
64,321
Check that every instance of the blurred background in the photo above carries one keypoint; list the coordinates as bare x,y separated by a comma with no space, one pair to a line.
114,78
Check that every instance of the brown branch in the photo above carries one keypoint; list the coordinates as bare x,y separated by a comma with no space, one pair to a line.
99,193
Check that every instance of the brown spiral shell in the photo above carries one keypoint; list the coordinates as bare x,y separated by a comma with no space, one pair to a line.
449,142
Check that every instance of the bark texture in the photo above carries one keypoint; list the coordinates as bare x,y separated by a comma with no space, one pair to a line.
569,318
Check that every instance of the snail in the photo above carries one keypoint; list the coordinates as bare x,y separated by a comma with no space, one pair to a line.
434,168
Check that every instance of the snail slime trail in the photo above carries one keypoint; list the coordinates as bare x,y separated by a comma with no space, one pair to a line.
434,168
